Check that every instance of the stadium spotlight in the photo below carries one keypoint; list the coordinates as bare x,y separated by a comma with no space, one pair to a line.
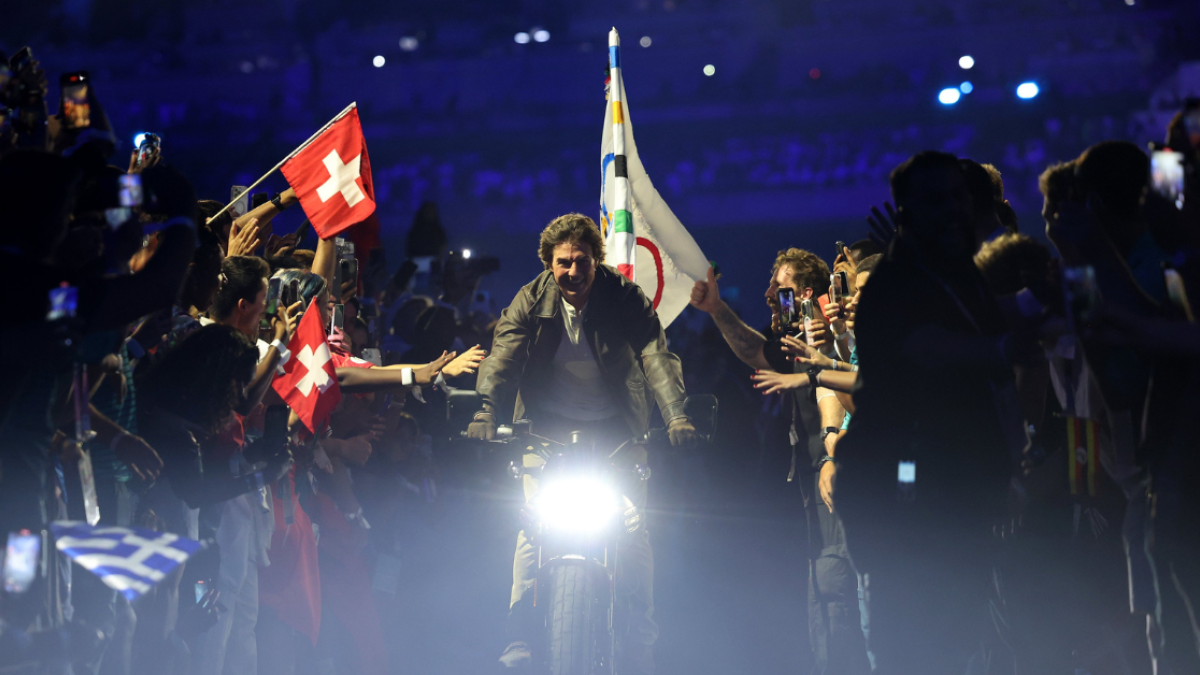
379,61
645,41
966,63
409,43
541,35
521,38
949,96
1027,90
966,87
710,70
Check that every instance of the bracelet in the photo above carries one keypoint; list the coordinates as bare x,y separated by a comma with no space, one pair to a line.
406,377
836,365
823,461
277,202
837,335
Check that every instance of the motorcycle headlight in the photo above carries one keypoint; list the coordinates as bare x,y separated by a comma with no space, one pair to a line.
576,504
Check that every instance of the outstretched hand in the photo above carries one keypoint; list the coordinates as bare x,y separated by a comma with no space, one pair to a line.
428,372
243,240
466,363
772,382
883,228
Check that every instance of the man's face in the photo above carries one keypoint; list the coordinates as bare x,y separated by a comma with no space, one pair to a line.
574,271
939,212
250,314
784,278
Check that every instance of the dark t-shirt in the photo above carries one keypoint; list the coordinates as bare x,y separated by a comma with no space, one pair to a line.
806,417
942,417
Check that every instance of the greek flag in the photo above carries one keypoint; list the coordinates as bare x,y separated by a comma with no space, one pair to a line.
130,560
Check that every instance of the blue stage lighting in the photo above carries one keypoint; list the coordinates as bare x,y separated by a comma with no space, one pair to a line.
966,87
1027,90
138,138
949,96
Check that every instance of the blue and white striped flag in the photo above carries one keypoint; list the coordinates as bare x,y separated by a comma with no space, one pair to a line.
130,560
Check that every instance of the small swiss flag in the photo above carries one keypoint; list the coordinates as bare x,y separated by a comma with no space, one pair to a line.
332,177
309,382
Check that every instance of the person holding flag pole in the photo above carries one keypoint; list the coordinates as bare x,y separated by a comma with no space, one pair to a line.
580,348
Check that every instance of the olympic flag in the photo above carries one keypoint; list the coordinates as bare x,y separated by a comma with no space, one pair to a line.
643,238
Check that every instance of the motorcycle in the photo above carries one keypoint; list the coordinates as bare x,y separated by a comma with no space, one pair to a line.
575,522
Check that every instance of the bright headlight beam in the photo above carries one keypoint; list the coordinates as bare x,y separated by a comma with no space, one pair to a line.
576,504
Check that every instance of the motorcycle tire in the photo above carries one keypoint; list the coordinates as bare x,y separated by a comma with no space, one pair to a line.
569,621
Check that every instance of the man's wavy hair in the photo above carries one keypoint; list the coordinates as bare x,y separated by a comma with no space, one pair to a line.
573,228
808,270
203,378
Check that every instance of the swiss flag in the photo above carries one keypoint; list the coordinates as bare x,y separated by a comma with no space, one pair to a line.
332,177
309,382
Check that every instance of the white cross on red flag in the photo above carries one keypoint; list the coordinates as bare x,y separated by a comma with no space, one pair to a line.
332,177
309,382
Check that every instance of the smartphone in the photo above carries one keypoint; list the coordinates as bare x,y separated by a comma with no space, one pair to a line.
275,423
241,201
373,355
118,216
64,301
1166,173
294,293
835,291
302,231
151,144
130,190
339,317
808,312
76,111
787,308
1081,294
906,480
258,199
841,249
21,559
274,286
201,589
349,271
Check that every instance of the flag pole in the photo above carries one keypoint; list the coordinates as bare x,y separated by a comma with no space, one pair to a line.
289,156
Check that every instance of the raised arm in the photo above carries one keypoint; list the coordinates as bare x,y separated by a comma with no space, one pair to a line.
745,342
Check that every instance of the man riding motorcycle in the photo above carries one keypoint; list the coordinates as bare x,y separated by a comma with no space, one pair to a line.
566,356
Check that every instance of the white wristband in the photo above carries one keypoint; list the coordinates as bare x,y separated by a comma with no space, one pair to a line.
406,376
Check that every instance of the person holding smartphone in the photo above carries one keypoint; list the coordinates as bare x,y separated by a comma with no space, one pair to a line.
799,278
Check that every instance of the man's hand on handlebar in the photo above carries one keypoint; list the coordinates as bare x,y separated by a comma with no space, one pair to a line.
682,433
483,428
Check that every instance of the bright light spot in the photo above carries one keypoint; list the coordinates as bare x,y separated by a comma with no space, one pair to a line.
710,70
966,63
521,38
645,41
466,254
378,61
815,73
966,87
576,504
138,138
948,96
1027,90
541,35
409,43
1129,2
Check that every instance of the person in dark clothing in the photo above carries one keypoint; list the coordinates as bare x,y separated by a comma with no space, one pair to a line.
935,362
835,626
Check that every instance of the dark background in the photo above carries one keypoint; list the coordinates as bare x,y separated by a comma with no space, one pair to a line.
789,143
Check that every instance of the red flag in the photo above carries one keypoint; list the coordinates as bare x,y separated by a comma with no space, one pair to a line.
332,177
309,382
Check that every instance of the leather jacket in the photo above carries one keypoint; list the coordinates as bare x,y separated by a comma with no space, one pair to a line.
621,328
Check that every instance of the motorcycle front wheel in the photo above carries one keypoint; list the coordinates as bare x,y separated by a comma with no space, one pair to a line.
579,640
